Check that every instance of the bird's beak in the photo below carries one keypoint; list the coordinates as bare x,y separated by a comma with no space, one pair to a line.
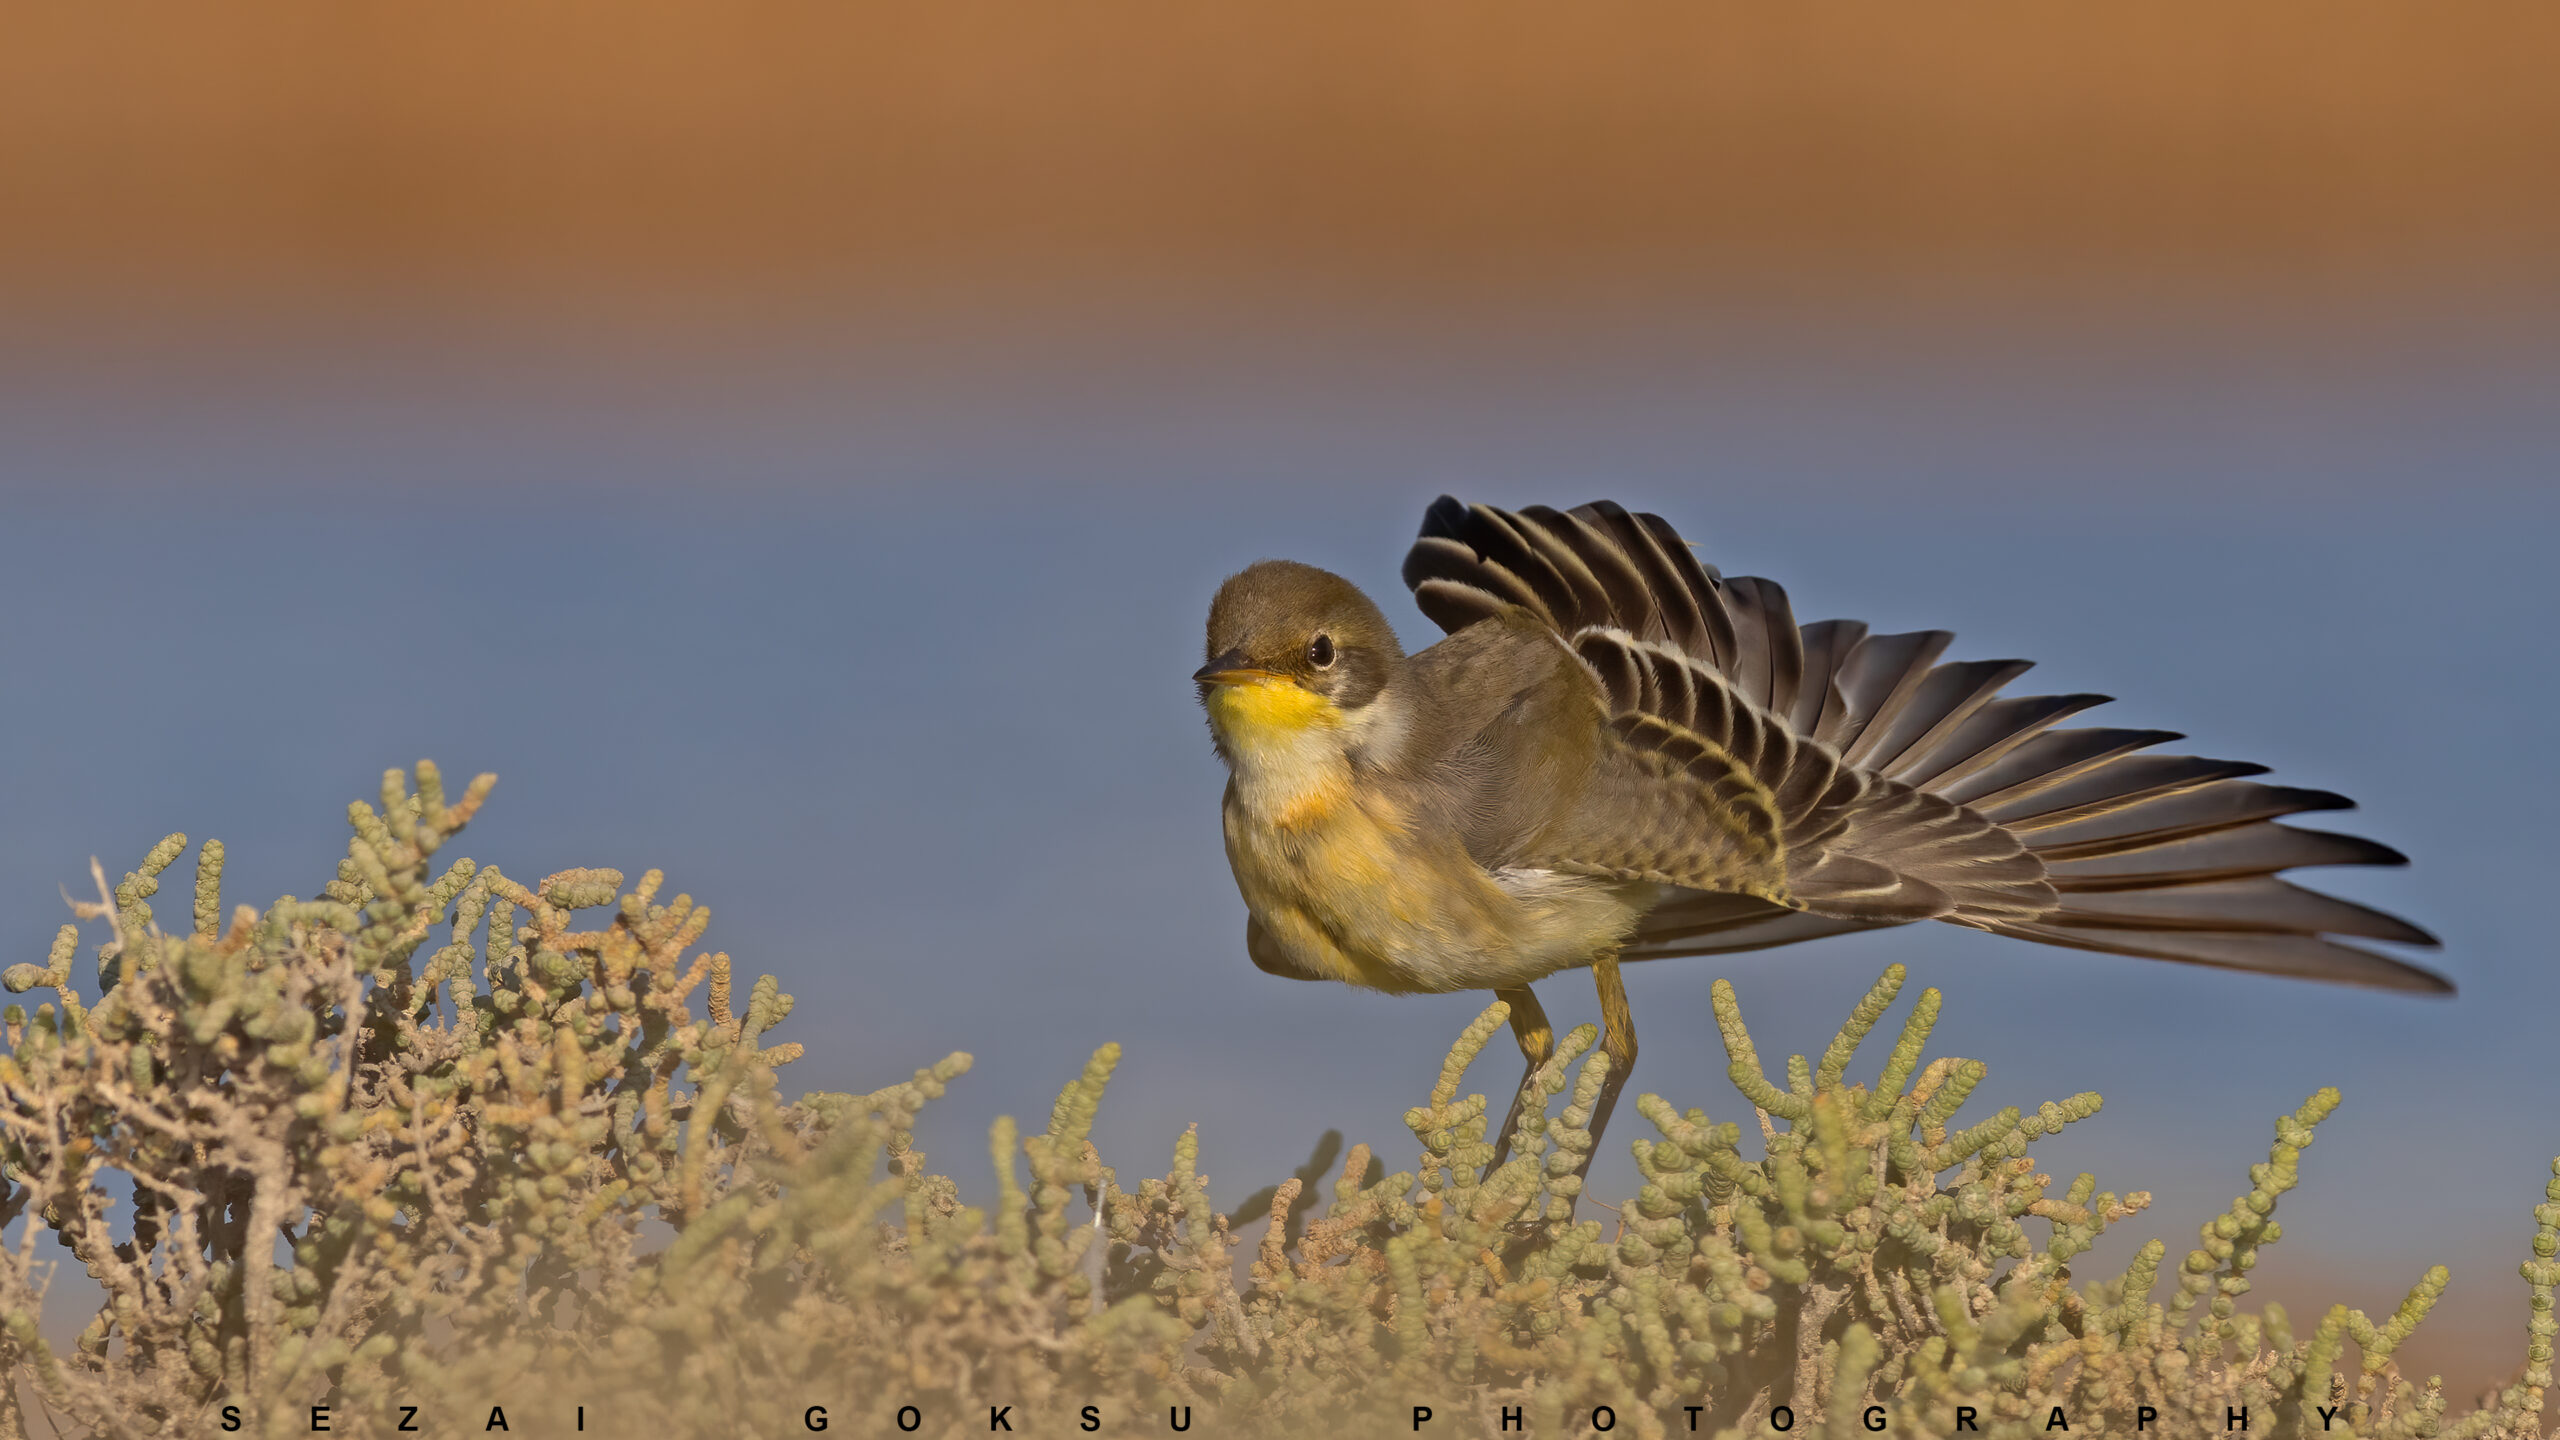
1231,669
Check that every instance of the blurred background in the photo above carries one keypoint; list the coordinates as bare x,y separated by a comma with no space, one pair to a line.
794,445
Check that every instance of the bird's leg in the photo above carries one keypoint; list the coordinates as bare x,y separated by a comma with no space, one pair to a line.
1537,1043
1617,1041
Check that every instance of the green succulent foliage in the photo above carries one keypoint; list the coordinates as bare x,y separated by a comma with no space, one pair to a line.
439,1138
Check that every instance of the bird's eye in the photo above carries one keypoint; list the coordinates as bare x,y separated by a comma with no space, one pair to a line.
1320,652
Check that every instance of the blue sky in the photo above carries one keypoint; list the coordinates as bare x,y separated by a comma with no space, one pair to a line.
881,649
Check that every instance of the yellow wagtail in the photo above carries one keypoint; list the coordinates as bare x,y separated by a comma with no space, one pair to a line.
1619,754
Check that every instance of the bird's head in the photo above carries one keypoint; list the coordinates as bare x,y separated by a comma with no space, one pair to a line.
1298,658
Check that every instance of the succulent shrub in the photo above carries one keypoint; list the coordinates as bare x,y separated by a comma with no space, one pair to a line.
444,1149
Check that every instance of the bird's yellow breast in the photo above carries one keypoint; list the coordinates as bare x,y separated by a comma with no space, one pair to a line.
1345,882
1331,880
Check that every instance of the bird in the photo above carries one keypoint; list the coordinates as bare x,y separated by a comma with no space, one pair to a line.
1617,753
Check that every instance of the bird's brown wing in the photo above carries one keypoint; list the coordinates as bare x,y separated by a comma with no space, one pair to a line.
1832,779
1771,813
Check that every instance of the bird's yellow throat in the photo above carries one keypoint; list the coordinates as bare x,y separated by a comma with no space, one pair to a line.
1286,744
1256,712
